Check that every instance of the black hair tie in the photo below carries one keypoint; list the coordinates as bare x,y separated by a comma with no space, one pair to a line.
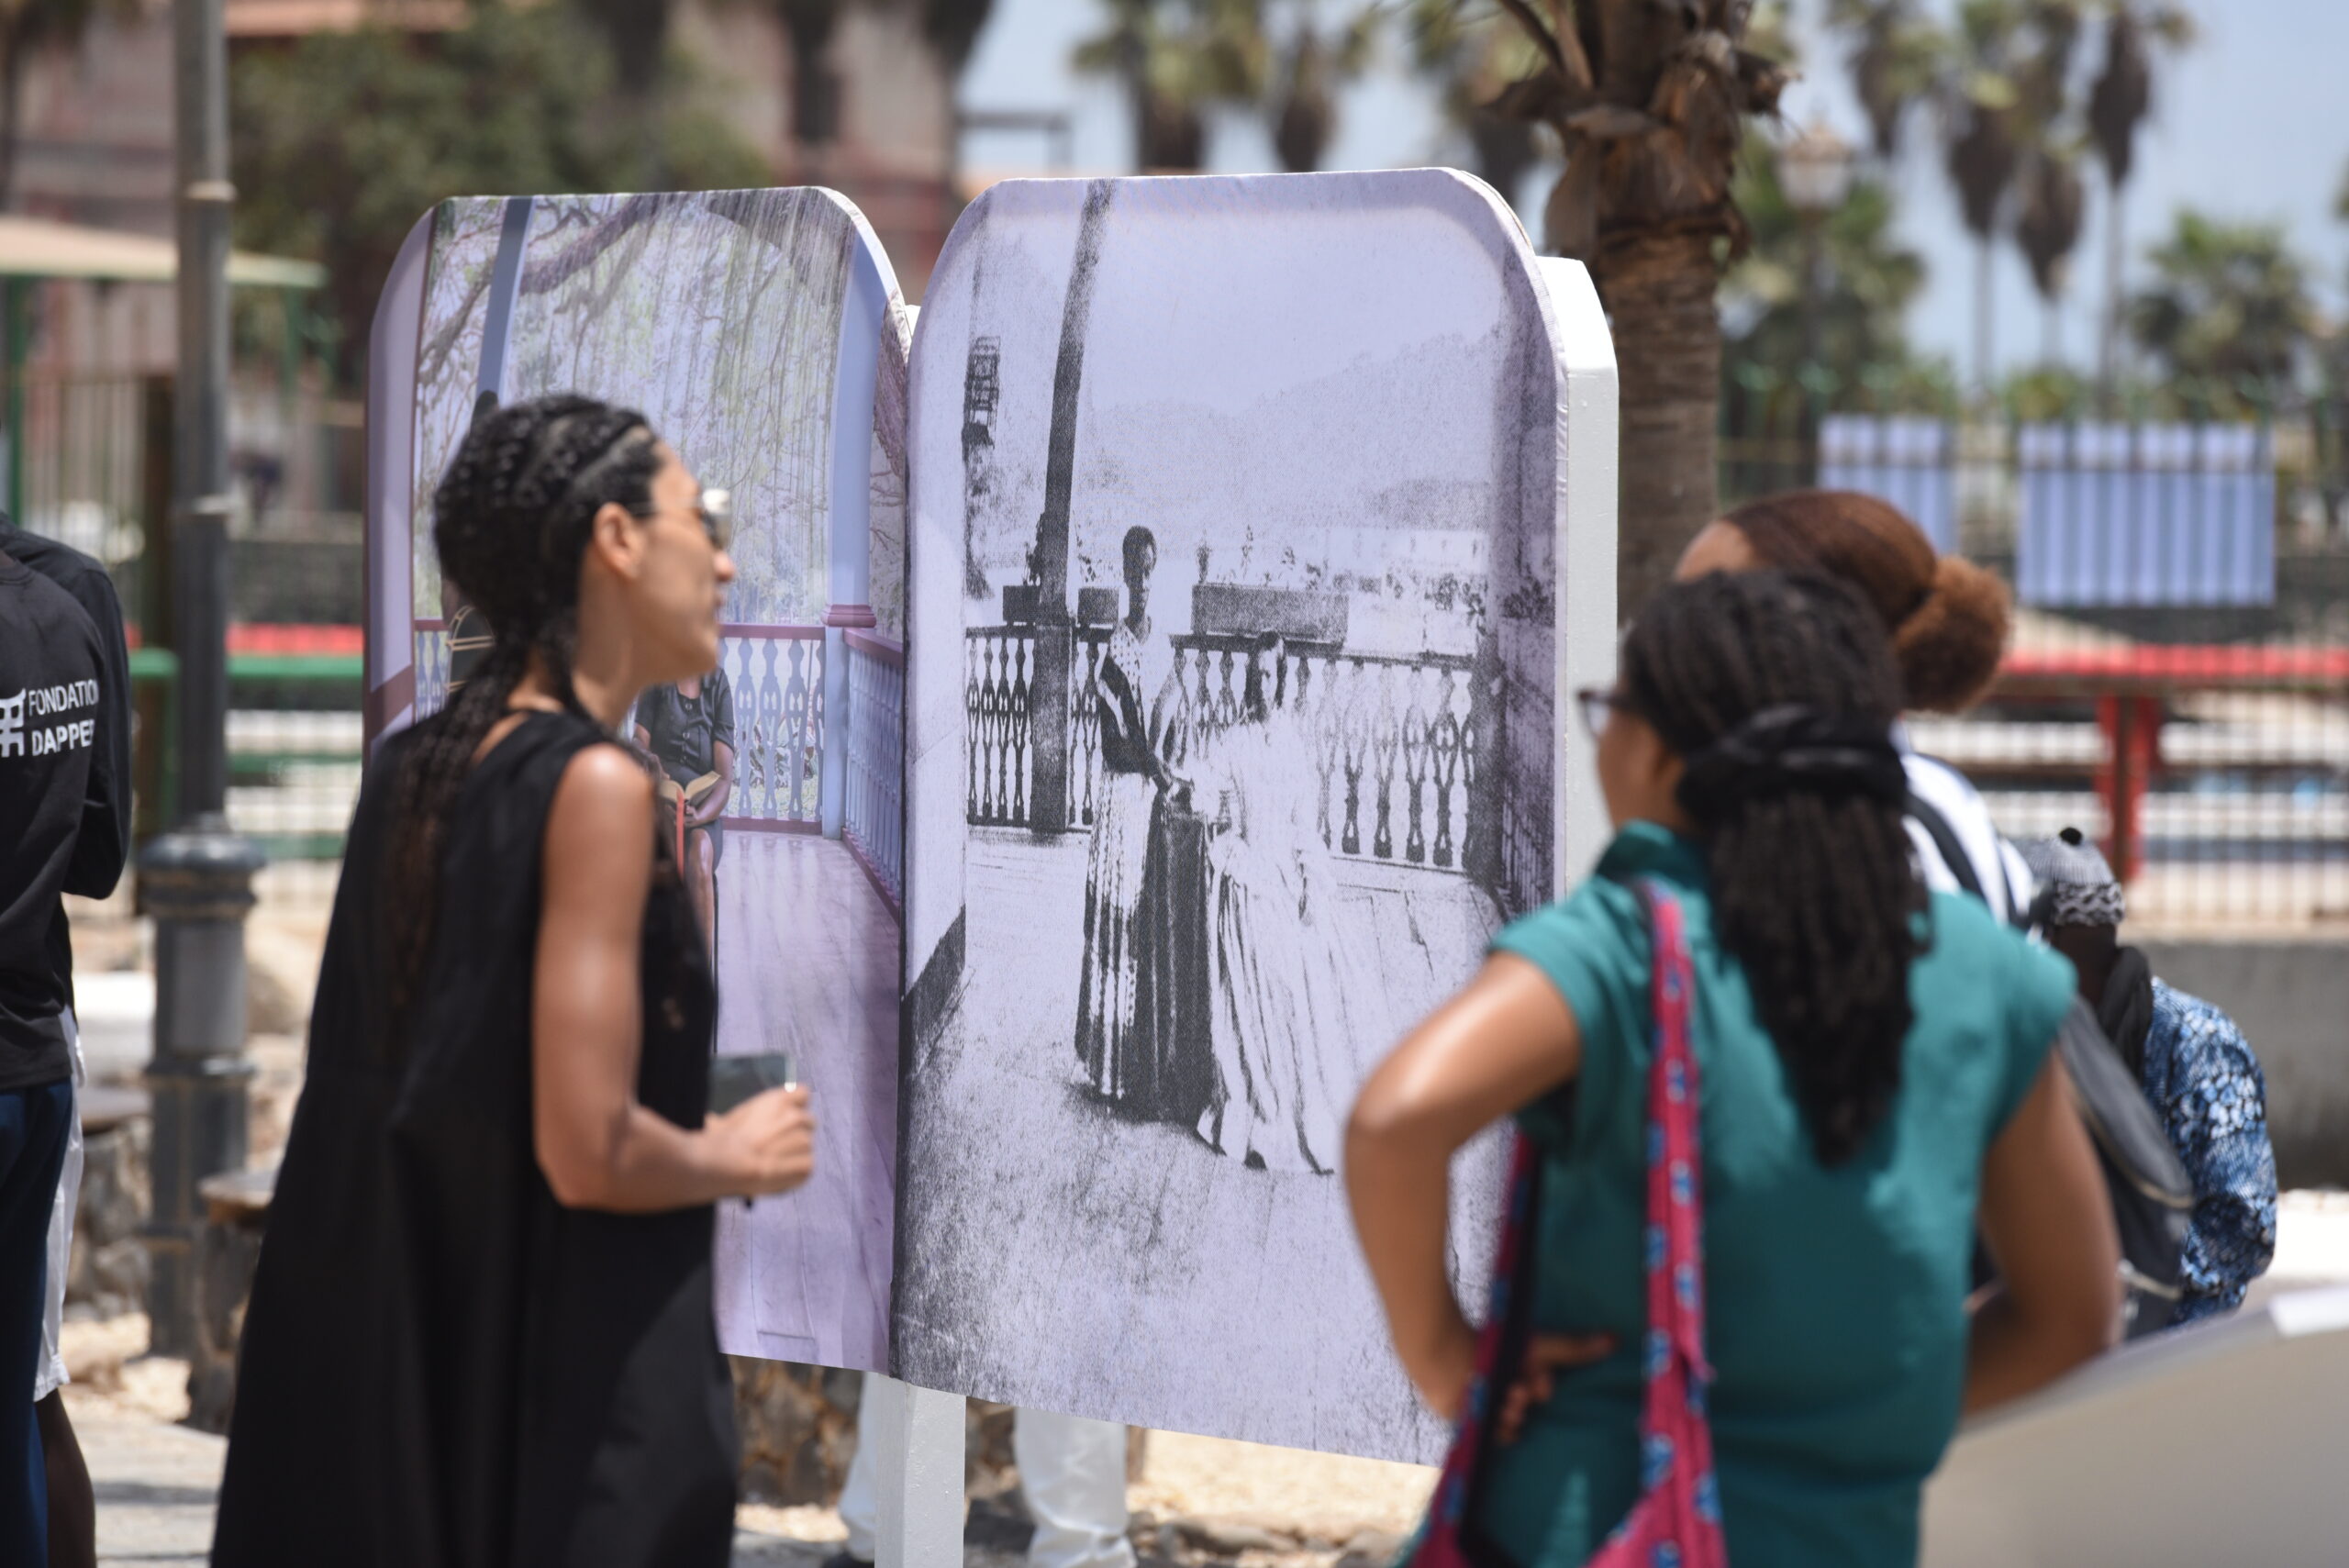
1792,750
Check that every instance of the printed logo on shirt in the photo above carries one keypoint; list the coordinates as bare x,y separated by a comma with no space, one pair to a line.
18,739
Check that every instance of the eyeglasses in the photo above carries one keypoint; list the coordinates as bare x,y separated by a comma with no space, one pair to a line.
1598,705
714,509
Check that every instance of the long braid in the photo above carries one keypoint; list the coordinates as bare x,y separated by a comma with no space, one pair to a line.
1816,894
511,520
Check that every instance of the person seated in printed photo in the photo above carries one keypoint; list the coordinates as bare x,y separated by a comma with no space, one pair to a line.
687,729
2193,1063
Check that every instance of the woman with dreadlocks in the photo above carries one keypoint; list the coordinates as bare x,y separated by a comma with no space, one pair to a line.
1761,1080
480,1331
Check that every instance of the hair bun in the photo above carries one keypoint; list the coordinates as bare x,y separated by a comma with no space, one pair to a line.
1950,646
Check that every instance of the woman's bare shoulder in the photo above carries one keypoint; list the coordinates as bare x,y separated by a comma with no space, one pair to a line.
603,788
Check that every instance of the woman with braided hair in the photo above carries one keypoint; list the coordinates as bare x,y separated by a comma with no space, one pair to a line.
480,1331
1870,1064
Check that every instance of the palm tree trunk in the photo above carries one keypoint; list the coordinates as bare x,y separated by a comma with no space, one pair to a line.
1659,296
1982,327
2115,259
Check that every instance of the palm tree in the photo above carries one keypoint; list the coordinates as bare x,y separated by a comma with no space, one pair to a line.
1987,126
1982,156
1175,58
1896,62
1650,104
2000,82
2229,315
2051,198
2047,229
1304,113
1470,61
2118,103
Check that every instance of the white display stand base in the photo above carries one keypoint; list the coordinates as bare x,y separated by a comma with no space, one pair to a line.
916,1437
2215,1444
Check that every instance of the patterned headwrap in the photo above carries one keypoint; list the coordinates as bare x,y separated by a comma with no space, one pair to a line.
2077,885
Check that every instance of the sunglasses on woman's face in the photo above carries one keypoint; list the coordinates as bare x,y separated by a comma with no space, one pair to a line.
714,509
1599,705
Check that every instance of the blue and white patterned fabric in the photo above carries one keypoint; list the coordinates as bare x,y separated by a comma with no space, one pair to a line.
2203,1079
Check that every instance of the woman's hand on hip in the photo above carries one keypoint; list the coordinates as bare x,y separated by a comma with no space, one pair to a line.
1546,1355
768,1141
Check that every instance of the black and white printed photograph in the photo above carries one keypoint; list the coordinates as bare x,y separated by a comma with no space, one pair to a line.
761,333
1232,737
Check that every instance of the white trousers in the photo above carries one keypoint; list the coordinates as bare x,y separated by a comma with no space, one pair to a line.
1073,1473
48,1375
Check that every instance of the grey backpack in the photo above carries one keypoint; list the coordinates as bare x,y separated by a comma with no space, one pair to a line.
2153,1197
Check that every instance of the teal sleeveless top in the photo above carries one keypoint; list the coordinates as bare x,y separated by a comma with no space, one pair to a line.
1836,1297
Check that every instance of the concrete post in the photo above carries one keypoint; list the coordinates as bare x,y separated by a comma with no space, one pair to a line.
916,1437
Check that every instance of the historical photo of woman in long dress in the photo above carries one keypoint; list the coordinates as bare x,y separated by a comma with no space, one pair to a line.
1239,498
1296,1018
1115,1032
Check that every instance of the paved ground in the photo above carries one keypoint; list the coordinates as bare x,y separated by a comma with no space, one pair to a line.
1199,1498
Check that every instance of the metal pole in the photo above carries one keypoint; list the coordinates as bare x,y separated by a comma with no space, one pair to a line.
12,305
198,879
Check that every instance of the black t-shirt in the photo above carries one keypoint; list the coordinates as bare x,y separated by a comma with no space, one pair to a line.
62,810
92,587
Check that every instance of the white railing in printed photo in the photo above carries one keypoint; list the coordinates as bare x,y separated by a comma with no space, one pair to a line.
778,675
874,818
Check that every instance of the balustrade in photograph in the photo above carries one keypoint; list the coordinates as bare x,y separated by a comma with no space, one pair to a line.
778,674
1395,739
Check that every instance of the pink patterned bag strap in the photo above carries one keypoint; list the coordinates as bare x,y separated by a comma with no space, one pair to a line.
1444,1541
1676,1523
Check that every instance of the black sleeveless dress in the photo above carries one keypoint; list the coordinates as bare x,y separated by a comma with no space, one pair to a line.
441,1365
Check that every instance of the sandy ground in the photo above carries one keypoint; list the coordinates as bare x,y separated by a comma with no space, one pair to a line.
1199,1497
1199,1501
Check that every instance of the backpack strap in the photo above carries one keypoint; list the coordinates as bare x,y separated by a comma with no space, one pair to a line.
1929,817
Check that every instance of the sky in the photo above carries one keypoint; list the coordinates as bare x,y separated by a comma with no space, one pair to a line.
2251,124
